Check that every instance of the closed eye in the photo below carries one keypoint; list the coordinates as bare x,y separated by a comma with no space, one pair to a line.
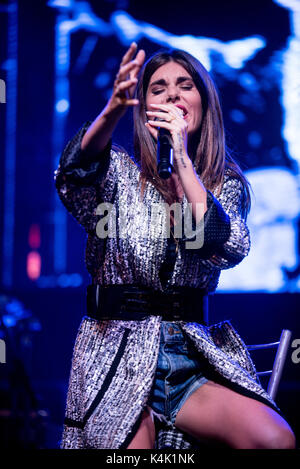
161,90
157,91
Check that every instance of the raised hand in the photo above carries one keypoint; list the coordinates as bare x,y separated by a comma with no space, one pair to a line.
126,79
101,129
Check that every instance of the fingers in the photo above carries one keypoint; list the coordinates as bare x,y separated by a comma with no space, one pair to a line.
167,116
126,79
124,85
168,108
124,71
129,54
121,92
128,65
140,59
153,132
166,113
160,116
163,124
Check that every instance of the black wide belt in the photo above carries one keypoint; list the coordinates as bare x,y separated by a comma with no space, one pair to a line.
134,303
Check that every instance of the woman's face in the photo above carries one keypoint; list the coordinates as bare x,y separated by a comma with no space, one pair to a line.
171,83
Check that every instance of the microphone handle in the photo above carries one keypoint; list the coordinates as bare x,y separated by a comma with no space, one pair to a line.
164,153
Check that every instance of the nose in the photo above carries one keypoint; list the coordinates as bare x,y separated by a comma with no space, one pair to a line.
173,94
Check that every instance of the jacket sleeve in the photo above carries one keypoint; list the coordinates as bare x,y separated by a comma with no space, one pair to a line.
225,235
83,181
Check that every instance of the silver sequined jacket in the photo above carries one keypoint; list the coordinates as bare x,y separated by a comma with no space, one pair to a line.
114,362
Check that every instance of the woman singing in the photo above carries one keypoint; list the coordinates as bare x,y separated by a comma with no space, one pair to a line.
147,370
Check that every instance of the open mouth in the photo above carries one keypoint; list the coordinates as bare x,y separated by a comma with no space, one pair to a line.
183,109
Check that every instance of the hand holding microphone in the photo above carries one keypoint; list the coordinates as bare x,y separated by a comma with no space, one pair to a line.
164,153
168,127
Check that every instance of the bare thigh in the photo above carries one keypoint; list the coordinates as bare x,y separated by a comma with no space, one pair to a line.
216,413
145,435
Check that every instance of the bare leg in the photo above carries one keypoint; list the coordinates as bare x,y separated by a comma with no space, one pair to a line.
214,412
145,436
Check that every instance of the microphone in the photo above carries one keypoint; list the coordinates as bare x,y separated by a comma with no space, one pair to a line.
164,153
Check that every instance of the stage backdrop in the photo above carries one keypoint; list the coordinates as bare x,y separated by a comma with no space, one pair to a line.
58,60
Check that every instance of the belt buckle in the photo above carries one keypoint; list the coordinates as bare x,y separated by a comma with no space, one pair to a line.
134,303
172,305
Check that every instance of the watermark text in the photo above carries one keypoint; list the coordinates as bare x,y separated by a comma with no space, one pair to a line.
2,351
2,91
296,353
120,222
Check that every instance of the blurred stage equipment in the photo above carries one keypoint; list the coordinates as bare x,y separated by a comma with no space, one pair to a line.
22,421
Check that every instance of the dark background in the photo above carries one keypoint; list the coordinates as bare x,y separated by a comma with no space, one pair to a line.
44,338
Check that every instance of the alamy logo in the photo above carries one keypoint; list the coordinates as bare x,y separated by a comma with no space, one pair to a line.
156,218
296,353
2,351
2,91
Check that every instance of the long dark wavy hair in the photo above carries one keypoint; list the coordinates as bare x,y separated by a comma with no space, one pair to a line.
212,158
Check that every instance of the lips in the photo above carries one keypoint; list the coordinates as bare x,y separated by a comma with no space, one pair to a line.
184,110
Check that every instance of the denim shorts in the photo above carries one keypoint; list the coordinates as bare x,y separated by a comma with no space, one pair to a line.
178,373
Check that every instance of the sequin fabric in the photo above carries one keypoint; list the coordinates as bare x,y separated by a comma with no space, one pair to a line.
114,362
95,350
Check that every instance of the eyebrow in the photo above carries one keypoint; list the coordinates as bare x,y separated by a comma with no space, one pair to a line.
164,83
